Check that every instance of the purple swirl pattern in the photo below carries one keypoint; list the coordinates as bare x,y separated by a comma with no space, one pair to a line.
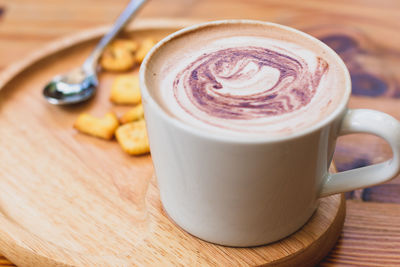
206,83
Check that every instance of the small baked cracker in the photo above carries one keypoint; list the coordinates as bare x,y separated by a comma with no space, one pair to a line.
119,55
144,48
125,89
127,44
133,138
134,114
100,127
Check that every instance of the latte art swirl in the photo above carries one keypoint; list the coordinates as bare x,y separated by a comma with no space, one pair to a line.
244,83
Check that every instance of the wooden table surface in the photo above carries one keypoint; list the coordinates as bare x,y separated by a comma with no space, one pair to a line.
365,33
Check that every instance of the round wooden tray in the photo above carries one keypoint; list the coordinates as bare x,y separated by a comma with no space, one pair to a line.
67,199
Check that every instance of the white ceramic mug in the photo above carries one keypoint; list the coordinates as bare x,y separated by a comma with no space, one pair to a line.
252,192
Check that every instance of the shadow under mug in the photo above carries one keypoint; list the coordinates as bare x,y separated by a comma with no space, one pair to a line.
240,192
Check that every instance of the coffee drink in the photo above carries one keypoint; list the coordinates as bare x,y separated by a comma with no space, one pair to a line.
243,118
247,80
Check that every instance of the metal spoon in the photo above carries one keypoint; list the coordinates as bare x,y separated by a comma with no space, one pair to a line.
80,84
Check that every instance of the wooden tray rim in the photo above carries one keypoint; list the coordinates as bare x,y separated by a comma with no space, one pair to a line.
12,72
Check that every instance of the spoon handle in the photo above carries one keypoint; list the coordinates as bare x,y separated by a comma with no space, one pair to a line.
133,6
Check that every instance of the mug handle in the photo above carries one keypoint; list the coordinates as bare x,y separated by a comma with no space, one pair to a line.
376,123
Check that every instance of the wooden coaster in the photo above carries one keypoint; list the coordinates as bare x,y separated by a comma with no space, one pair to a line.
67,199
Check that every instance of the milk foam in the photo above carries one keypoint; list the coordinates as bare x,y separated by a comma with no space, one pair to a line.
247,85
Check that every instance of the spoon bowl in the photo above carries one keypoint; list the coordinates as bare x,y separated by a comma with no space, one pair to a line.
73,87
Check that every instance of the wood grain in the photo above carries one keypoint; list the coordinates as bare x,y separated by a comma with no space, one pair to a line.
371,236
27,25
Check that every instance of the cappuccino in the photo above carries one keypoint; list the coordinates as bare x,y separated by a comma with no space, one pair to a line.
243,118
246,80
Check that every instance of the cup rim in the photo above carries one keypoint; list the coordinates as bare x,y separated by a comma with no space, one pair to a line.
148,99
